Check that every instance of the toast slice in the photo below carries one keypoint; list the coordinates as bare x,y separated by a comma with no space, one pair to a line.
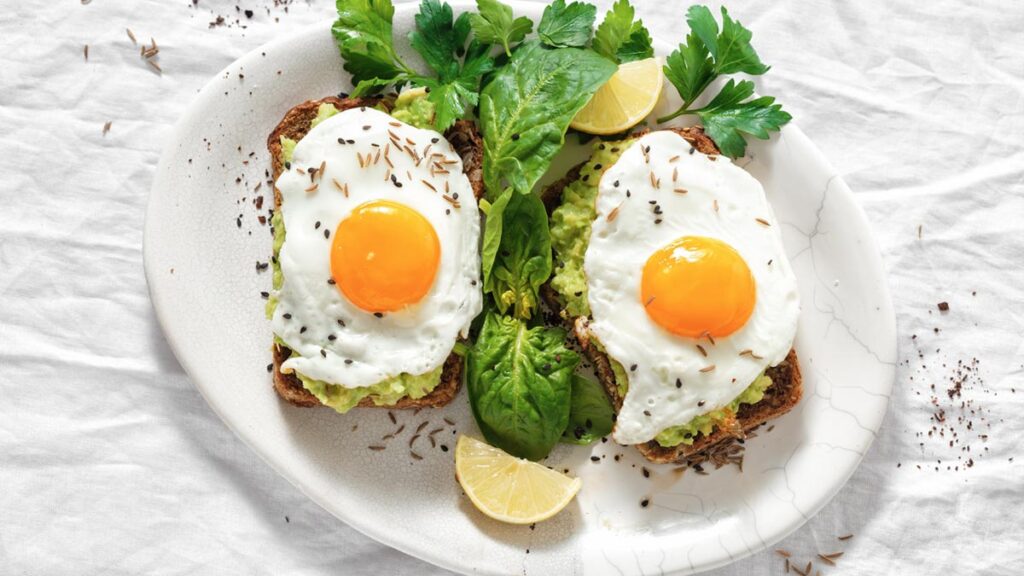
721,445
466,141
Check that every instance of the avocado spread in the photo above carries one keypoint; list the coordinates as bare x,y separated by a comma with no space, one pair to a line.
570,235
419,112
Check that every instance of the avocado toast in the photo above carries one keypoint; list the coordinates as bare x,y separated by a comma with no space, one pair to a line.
731,423
296,123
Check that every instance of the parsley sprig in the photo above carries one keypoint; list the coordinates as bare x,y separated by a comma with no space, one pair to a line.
707,54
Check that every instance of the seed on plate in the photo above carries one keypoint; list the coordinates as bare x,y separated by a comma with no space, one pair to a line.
367,127
762,221
378,314
632,368
708,368
783,553
715,204
415,456
846,537
313,187
341,322
323,353
327,233
131,36
692,150
348,360
645,502
332,337
302,330
702,350
700,404
679,383
376,448
674,159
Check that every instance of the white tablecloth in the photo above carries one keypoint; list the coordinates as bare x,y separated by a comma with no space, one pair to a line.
112,463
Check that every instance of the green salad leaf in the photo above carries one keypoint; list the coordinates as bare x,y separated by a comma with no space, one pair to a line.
567,25
526,108
363,31
494,24
620,37
707,54
520,384
363,34
591,416
730,115
516,256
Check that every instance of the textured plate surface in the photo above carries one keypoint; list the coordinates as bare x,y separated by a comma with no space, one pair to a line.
200,266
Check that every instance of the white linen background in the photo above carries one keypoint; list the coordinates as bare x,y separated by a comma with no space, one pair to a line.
112,463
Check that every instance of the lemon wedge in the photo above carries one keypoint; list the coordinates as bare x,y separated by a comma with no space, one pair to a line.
510,489
624,101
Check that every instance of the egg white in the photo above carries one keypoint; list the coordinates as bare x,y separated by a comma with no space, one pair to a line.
369,349
721,201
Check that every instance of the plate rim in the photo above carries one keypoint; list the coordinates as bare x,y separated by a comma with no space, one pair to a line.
154,281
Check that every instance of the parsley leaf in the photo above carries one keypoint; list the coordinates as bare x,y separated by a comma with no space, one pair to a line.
563,26
494,24
728,116
690,69
730,49
620,38
363,34
437,38
707,54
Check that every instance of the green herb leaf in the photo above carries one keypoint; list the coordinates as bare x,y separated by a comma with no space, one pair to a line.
690,69
638,46
591,416
494,24
526,108
730,49
438,38
363,34
563,26
441,40
519,384
727,117
515,266
621,38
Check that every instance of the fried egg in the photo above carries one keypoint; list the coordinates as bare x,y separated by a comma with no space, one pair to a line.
381,259
688,283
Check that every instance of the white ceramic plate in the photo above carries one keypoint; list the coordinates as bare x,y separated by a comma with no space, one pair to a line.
201,271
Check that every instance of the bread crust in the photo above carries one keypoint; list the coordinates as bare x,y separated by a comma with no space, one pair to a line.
787,381
467,142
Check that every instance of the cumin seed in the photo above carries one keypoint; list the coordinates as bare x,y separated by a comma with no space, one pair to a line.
413,440
614,213
131,36
428,185
415,456
376,448
702,350
448,421
391,416
86,51
421,426
106,127
708,368
313,187
155,66
674,158
762,221
847,537
783,553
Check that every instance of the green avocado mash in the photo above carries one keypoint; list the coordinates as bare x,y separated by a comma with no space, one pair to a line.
390,391
570,235
384,393
570,227
413,108
705,423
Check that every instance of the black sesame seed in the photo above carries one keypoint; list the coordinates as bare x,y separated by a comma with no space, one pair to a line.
351,141
455,196
652,202
595,459
378,314
265,295
317,225
287,316
657,221
447,211
586,177
701,403
472,282
332,337
632,368
342,95
302,330
628,193
578,293
248,13
327,233
601,147
597,167
341,141
270,367
367,127
444,448
645,471
616,149
348,360
692,150
679,383
323,353
615,184
341,322
644,502
331,281
515,137
647,412
287,165
238,221
433,140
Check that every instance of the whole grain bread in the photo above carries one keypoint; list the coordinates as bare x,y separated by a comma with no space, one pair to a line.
466,141
779,398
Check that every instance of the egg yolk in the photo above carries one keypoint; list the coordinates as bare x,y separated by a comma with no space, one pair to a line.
384,256
698,286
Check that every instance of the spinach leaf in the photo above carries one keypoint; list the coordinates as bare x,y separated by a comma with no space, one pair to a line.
516,256
590,413
519,383
526,108
570,25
